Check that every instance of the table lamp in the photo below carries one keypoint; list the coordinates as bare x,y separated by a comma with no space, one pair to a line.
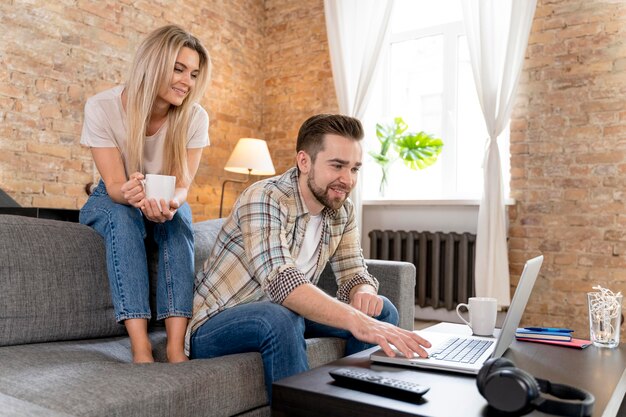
250,157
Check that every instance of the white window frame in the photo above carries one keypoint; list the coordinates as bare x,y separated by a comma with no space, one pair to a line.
452,33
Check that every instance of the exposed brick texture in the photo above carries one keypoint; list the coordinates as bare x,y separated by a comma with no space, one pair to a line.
568,158
55,55
298,79
272,71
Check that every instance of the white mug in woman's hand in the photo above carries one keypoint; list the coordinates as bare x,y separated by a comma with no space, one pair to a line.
482,315
159,187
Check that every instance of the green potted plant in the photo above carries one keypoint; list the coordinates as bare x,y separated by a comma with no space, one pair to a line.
417,150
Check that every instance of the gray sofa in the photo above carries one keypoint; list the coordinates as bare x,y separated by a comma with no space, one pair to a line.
62,354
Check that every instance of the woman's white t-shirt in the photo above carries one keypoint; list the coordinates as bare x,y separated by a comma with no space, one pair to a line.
105,127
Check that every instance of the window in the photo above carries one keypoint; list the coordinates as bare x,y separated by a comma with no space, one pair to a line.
426,78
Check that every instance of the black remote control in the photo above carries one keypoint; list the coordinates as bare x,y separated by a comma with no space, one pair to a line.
372,382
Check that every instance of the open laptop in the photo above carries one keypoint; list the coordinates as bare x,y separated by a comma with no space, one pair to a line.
483,347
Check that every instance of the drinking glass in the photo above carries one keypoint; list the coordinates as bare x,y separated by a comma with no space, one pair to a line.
604,318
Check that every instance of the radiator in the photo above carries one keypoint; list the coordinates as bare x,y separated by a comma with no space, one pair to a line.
444,263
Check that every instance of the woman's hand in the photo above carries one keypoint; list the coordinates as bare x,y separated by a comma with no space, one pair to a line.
150,208
133,190
152,212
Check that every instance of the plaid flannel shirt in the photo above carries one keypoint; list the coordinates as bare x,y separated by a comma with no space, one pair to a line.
255,251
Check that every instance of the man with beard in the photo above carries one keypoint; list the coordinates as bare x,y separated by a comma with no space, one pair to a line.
257,291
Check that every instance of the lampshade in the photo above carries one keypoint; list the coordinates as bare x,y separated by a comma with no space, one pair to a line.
251,156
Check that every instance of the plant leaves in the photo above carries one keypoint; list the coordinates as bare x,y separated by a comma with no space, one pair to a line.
388,134
380,159
400,126
418,150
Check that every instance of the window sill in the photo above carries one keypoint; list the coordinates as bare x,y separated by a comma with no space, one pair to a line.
441,202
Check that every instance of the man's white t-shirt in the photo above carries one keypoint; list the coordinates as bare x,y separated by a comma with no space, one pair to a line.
105,127
309,252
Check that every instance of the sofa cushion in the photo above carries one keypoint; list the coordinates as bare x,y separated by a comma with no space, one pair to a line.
13,407
96,378
205,234
67,263
54,282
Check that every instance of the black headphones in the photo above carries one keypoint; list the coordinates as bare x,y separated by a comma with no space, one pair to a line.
512,390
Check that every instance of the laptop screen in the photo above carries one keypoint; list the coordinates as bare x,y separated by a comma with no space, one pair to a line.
518,305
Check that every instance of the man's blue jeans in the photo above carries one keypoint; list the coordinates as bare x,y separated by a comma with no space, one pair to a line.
124,229
276,332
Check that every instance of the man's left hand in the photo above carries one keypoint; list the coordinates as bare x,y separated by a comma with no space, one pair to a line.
367,301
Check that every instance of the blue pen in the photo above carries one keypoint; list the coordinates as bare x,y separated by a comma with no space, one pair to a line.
549,329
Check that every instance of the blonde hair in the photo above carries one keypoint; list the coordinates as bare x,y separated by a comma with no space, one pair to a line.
152,67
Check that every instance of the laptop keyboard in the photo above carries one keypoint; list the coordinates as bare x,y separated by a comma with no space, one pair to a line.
461,350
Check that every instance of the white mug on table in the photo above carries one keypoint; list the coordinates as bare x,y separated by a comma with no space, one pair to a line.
482,315
159,187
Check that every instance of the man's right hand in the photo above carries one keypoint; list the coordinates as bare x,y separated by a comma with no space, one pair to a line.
370,330
314,304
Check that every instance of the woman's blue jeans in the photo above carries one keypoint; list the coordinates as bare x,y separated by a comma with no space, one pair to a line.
124,230
276,332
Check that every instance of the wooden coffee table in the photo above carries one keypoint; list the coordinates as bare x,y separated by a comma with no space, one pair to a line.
314,393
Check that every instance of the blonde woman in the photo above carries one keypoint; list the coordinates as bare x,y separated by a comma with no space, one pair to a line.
151,125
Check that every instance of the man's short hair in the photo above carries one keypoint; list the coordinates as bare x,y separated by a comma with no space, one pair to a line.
312,131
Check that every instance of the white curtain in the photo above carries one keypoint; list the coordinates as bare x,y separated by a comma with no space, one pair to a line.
357,30
497,34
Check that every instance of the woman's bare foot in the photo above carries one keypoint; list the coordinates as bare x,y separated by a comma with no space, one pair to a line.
142,354
140,345
176,355
175,328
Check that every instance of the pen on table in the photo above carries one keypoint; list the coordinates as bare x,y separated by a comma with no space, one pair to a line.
549,329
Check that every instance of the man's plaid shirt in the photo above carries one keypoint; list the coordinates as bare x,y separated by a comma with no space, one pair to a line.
255,252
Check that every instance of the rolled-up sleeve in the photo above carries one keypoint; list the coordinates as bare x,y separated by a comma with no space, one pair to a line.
283,283
343,293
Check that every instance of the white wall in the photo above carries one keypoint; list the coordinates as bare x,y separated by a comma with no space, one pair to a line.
431,216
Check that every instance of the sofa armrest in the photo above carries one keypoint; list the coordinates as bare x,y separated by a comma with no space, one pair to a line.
397,283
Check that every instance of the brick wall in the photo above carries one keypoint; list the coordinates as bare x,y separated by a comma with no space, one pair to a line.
298,80
568,162
55,55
